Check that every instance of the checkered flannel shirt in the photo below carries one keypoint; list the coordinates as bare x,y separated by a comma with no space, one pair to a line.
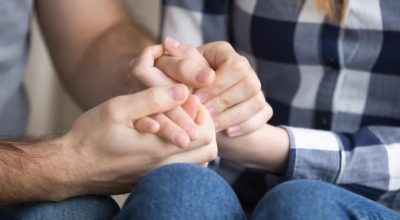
335,87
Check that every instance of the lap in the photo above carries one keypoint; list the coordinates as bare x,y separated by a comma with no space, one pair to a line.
85,207
307,199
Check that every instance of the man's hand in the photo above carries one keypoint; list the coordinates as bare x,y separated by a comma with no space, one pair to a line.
103,153
113,155
234,98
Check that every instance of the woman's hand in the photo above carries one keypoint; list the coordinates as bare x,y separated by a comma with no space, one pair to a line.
234,97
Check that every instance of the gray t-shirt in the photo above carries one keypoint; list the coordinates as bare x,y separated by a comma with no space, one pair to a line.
15,18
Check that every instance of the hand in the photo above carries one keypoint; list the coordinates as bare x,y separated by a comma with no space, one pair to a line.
105,154
234,98
265,149
175,125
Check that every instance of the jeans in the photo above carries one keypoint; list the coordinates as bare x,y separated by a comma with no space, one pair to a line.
183,191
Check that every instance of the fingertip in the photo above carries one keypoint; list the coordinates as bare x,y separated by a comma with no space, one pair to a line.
147,125
181,140
233,131
171,43
179,92
205,76
193,133
153,127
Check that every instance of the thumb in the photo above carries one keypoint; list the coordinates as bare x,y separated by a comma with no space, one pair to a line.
155,100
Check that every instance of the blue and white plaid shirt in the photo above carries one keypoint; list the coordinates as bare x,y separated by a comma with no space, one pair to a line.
335,87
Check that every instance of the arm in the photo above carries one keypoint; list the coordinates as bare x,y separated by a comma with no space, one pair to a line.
92,44
367,158
107,160
30,171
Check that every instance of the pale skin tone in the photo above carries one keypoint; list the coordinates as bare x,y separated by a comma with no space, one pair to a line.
102,153
96,51
237,101
91,45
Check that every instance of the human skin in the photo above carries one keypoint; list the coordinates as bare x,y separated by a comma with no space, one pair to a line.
97,51
236,99
103,153
231,89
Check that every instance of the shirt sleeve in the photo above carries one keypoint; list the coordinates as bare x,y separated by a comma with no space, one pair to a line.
195,22
369,157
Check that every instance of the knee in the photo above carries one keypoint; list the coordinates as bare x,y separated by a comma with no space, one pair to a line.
180,181
181,191
85,207
292,199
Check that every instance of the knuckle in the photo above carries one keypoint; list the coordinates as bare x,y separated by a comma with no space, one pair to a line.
212,152
153,98
183,65
270,111
259,103
190,52
208,139
223,102
253,85
138,71
158,155
238,68
111,109
223,45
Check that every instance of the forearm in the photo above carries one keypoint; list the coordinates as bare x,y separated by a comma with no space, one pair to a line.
103,72
266,148
91,44
32,171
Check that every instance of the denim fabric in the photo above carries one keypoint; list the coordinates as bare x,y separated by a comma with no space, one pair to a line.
308,199
182,191
85,208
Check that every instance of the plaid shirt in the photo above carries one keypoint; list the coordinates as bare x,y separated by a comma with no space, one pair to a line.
336,88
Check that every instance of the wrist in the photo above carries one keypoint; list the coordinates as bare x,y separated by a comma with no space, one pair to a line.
60,171
266,148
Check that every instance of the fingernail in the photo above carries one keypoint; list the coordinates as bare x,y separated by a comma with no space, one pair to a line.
175,44
178,92
181,140
212,111
202,76
203,96
232,131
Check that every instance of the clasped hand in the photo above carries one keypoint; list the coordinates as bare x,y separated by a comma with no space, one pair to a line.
218,77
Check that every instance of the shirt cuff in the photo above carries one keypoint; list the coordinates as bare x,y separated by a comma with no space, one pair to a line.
314,154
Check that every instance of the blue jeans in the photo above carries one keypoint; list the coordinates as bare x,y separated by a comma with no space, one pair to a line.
182,191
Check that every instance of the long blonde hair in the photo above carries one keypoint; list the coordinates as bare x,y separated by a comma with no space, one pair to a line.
334,9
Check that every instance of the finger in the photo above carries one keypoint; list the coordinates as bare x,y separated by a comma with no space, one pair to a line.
240,92
143,68
176,49
185,70
184,121
171,132
199,155
148,102
227,76
240,112
230,68
147,125
191,106
254,123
